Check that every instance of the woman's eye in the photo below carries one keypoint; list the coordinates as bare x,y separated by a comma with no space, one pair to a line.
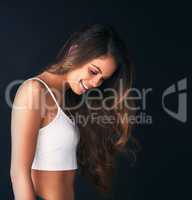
93,72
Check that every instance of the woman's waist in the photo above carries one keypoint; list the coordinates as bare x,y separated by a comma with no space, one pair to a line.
53,183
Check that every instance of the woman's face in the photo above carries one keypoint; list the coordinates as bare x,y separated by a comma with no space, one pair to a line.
91,75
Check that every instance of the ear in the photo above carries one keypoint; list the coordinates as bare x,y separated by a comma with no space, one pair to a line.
72,49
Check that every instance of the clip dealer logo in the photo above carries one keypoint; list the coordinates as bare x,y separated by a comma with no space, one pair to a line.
180,89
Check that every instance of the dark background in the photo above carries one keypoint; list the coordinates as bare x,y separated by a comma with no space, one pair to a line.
158,35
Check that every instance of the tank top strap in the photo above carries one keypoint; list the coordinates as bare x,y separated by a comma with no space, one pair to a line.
45,84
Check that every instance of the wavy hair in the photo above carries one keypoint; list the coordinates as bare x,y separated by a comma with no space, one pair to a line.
99,142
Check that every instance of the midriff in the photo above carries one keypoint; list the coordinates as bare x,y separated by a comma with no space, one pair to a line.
54,185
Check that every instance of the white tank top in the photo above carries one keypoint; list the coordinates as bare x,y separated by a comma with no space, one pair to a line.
56,142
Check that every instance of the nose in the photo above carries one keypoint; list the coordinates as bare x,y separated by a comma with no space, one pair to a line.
95,82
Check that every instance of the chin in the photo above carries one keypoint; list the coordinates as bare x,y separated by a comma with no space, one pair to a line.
77,92
76,89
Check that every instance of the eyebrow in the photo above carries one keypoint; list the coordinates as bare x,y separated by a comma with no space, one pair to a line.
106,77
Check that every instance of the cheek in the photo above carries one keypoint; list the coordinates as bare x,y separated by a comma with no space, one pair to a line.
83,74
79,74
74,76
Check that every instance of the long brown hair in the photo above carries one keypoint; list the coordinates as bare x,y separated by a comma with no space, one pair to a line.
99,142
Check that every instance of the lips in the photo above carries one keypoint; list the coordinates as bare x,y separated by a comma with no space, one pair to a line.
84,87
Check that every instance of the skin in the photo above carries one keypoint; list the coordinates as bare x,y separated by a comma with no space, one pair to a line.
85,73
50,185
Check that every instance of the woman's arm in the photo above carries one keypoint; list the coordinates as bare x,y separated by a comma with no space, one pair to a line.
25,123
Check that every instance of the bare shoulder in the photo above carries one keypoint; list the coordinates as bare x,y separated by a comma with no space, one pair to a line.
28,94
29,87
28,100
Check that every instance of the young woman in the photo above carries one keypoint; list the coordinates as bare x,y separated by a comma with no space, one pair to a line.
49,144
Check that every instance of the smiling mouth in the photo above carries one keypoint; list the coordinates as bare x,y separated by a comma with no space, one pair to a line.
83,85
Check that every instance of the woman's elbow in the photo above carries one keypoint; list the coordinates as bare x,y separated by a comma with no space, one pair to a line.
17,174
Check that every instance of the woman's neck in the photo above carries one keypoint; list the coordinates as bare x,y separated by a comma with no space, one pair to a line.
56,81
